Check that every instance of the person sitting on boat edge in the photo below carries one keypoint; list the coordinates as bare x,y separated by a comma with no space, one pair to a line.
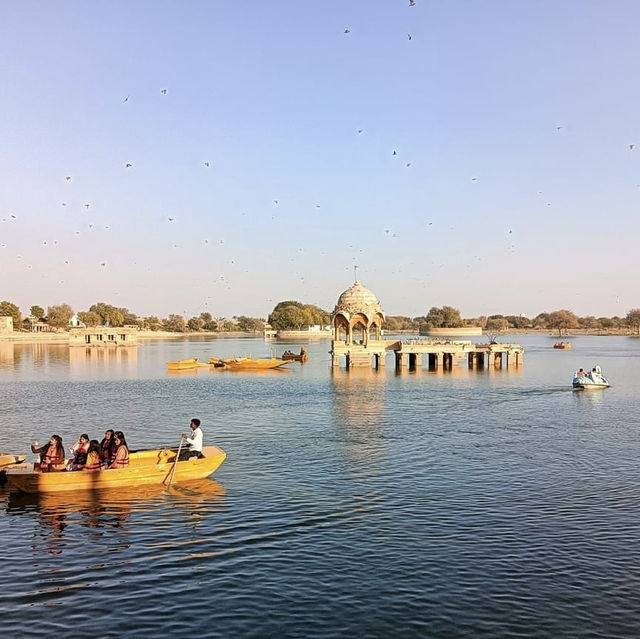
94,456
79,450
121,458
580,373
51,454
194,443
108,447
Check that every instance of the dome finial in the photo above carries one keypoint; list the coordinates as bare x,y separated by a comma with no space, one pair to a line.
355,273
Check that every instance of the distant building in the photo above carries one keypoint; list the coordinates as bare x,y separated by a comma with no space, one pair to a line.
6,325
104,336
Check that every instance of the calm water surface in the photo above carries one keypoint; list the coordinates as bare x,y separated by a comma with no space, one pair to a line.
458,504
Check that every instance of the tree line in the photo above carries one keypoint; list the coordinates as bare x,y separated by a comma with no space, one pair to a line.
294,315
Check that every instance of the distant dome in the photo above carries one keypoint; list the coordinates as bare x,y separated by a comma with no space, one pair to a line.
358,299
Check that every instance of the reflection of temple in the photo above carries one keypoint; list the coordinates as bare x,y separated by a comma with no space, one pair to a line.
359,413
357,328
81,358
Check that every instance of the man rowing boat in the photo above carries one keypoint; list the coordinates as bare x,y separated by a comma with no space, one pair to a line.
194,442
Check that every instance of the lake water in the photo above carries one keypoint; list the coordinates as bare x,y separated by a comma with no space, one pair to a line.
458,504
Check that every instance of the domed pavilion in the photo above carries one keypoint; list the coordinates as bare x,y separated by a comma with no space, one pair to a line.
357,328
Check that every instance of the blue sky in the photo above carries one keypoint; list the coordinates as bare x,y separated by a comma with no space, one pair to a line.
513,188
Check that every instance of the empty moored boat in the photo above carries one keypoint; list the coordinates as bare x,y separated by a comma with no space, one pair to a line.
183,364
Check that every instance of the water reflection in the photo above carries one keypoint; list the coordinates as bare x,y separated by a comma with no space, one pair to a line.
61,515
86,360
358,404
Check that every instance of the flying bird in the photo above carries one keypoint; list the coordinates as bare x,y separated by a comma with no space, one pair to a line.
631,147
347,30
412,3
128,165
125,100
171,219
163,91
275,202
408,164
64,204
473,179
207,164
409,36
86,206
394,153
558,128
67,178
360,131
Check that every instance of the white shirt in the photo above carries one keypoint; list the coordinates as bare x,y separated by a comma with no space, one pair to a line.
195,441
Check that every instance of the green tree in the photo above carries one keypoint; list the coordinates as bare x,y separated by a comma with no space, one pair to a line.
89,318
445,317
588,322
291,317
249,324
175,324
195,324
152,323
8,309
562,321
110,315
633,319
37,312
496,326
206,317
59,315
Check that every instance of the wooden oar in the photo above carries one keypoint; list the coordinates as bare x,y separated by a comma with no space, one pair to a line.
175,463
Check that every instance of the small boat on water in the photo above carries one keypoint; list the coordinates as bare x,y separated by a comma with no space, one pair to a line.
183,364
563,345
9,459
590,381
146,467
248,363
295,357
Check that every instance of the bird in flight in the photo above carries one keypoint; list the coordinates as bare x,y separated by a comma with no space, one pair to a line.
409,36
558,128
64,204
631,146
207,164
128,165
67,178
275,202
408,164
125,100
171,219
394,153
347,30
164,92
360,131
86,206
412,3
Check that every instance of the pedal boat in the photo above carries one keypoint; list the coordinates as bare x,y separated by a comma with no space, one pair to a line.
590,381
146,467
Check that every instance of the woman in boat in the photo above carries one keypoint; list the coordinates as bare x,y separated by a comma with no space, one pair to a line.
94,456
51,454
108,446
79,450
121,458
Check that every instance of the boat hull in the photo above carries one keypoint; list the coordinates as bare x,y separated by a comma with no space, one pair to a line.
248,363
183,364
147,467
7,459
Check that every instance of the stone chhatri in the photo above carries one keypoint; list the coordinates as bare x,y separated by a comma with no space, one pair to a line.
358,299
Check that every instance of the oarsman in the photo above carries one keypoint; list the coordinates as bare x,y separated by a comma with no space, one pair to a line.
193,442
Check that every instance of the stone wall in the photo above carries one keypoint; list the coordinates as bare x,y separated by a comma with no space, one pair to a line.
6,325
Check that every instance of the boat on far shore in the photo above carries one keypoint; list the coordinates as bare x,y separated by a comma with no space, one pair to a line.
248,363
563,345
183,364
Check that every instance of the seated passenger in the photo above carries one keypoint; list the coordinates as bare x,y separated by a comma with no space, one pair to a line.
121,457
94,456
108,446
51,454
580,373
79,450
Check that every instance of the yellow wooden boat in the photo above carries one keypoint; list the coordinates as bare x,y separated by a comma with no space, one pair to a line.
248,363
563,345
183,364
8,459
146,467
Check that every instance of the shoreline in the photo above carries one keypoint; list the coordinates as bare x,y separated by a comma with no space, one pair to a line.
18,337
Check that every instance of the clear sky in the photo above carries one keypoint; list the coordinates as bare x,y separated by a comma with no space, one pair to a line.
473,153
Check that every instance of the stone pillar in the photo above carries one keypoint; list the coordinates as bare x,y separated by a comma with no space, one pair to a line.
418,361
381,360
